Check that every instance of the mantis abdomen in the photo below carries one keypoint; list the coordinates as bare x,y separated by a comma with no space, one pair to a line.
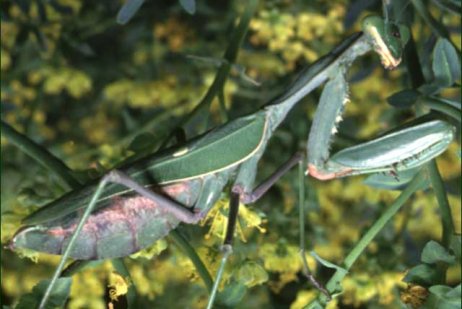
126,224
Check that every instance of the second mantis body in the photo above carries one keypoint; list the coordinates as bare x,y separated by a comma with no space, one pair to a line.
130,208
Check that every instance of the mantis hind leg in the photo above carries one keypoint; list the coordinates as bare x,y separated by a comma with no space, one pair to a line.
179,211
176,209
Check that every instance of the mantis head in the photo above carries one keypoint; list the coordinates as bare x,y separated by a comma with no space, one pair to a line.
388,39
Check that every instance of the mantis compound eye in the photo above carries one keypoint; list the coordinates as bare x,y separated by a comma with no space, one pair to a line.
394,31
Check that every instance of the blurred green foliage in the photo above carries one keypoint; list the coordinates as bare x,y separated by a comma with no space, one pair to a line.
84,87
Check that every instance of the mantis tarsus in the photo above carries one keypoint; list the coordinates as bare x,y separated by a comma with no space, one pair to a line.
187,180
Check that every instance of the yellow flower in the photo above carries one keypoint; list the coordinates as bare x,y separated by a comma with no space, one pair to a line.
281,257
118,90
306,297
360,288
118,285
149,252
79,84
219,217
5,60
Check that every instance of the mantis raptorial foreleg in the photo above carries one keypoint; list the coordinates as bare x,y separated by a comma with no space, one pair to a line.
394,152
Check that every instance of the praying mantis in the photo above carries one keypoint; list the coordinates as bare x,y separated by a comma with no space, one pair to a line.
141,202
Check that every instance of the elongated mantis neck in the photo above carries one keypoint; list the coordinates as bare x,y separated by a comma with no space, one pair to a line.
336,62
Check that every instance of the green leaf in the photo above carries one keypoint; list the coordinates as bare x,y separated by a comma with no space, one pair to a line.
128,10
446,65
452,6
251,273
443,297
422,274
315,304
63,9
143,142
232,294
448,107
455,245
57,298
189,6
404,98
433,252
327,263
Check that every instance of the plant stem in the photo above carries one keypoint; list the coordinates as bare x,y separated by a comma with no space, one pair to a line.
351,258
194,257
41,155
220,78
67,251
445,210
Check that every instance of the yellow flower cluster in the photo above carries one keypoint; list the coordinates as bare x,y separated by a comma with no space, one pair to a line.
219,220
98,129
164,92
20,95
304,297
295,35
154,250
175,32
285,259
118,285
360,288
90,282
77,83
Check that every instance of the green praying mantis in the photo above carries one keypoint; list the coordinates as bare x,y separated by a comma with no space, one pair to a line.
130,208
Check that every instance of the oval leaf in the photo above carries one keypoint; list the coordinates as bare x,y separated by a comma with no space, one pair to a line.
433,252
57,298
446,65
443,297
403,99
422,274
189,6
232,294
128,10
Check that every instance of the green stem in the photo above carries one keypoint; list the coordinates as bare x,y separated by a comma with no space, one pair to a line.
227,252
436,27
351,258
41,155
301,206
442,107
70,245
195,259
445,210
223,72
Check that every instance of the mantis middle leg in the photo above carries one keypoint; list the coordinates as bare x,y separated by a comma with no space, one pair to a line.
239,194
